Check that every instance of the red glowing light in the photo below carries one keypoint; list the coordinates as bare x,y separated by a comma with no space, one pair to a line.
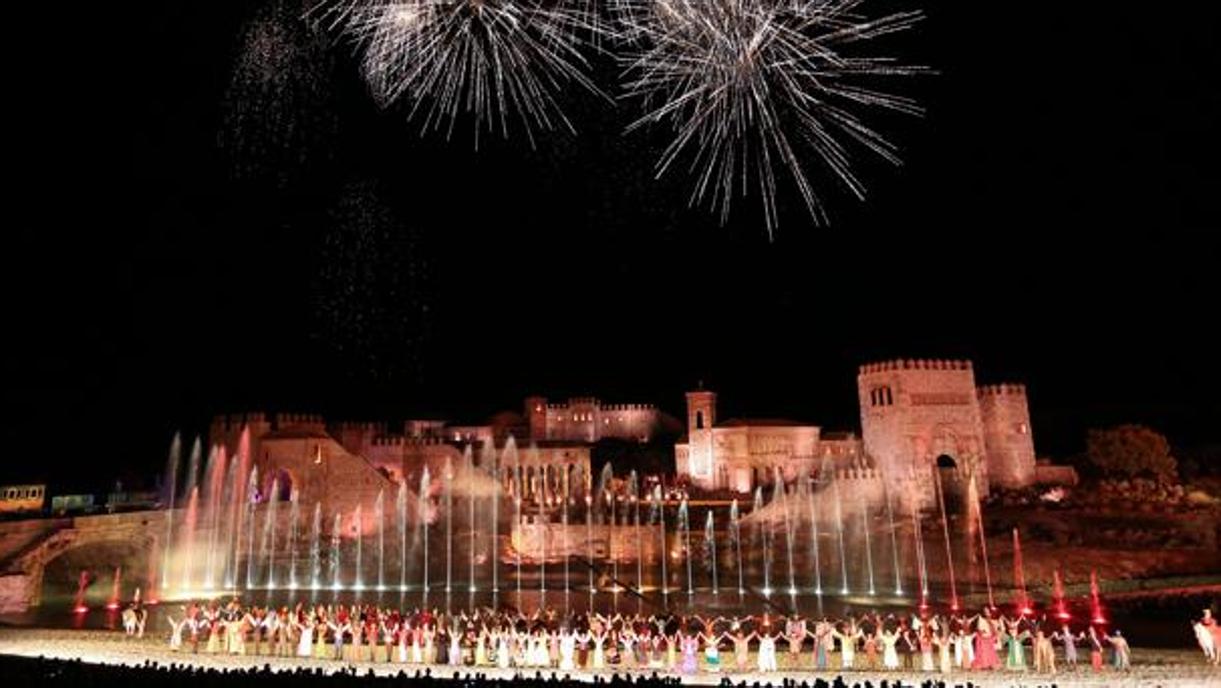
80,609
1065,615
112,605
1027,610
1099,620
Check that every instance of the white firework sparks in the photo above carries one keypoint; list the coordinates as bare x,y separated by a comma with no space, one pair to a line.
750,85
492,60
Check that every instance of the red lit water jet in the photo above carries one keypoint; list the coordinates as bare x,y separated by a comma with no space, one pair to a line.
188,537
1095,605
78,605
1020,599
113,603
1058,596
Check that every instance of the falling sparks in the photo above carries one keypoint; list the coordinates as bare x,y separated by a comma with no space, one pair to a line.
279,112
495,61
751,86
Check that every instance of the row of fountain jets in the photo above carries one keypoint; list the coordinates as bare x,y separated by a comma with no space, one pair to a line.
222,546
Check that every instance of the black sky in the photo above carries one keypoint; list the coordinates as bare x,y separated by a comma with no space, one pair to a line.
196,234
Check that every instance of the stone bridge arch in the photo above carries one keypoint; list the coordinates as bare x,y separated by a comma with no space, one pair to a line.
23,570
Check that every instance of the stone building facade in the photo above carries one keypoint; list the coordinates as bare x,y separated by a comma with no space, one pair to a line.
917,416
587,419
343,465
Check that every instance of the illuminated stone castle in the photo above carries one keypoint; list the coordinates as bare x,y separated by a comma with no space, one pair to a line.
916,415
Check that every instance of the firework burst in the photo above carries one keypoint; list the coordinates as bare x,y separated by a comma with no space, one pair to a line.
493,60
753,86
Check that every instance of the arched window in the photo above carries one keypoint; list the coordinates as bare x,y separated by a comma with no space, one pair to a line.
699,420
946,461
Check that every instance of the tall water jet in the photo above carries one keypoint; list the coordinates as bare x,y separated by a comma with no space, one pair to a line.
449,523
518,494
268,547
494,546
814,503
379,512
315,549
237,509
921,564
894,542
232,514
1020,599
977,506
115,592
188,537
251,500
1057,594
589,540
633,495
779,490
565,501
684,522
610,543
839,519
639,558
191,492
207,511
422,511
868,546
945,527
468,465
1095,602
193,467
336,542
664,550
710,545
82,585
170,487
544,520
736,525
760,540
400,504
359,522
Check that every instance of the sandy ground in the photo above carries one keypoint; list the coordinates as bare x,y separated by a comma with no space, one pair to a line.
1178,668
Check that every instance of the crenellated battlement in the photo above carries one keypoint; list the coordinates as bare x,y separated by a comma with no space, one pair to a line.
283,420
1003,389
629,407
360,426
401,441
915,364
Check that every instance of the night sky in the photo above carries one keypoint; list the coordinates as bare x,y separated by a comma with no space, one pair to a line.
213,216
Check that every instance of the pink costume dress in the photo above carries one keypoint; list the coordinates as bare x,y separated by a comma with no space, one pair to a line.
690,647
985,647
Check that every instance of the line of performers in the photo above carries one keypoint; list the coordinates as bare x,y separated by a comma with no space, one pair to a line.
681,644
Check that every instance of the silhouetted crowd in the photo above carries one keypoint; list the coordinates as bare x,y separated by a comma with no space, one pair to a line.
28,671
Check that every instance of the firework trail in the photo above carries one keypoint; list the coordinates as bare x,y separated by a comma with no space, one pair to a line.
751,86
279,110
495,61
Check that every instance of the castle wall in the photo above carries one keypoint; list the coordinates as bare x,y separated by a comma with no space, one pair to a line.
585,419
1007,435
914,411
321,471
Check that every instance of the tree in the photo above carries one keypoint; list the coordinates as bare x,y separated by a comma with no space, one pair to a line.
1131,451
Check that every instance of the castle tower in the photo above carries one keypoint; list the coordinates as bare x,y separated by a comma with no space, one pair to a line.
701,417
1007,436
701,409
918,414
536,416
